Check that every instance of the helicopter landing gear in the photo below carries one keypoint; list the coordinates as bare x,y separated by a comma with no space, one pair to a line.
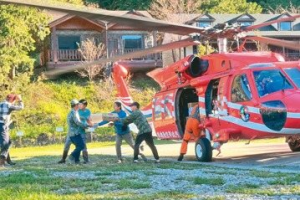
203,150
294,143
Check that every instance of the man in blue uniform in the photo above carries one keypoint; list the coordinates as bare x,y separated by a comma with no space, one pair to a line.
122,132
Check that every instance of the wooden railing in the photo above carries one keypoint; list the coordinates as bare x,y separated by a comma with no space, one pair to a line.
154,56
64,55
292,56
75,55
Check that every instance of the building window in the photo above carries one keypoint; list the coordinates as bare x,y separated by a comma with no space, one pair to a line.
285,26
240,90
203,24
68,42
245,23
132,42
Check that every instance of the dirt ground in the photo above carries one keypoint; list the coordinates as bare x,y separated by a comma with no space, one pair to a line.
235,154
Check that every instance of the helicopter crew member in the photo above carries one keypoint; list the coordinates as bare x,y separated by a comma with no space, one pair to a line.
74,131
122,132
6,108
85,117
145,131
191,129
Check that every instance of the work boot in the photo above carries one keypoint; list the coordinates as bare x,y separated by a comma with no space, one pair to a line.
85,157
180,158
8,160
64,157
2,161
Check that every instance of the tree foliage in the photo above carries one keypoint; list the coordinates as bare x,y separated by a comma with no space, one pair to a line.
121,4
92,52
274,4
230,7
21,29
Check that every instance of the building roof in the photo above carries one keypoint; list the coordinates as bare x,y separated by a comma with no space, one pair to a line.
271,30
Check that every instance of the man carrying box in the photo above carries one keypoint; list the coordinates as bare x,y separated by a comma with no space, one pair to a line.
145,131
122,132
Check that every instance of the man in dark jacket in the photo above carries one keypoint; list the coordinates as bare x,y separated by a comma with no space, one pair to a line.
145,131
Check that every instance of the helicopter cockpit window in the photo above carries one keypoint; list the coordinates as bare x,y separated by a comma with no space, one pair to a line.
240,90
294,74
270,81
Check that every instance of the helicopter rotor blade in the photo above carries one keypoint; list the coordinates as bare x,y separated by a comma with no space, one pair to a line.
253,27
147,24
165,47
276,42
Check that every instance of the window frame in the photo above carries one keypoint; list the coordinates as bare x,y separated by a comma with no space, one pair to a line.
206,22
249,88
288,22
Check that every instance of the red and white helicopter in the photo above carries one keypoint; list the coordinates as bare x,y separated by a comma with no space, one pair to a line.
241,95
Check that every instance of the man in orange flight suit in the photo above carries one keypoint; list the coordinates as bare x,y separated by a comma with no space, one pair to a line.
192,130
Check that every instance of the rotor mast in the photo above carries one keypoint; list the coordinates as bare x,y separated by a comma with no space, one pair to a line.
222,44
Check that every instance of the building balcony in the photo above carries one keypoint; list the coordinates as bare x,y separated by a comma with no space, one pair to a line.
67,57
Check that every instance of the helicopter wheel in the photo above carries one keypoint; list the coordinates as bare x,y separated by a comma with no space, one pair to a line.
203,150
294,145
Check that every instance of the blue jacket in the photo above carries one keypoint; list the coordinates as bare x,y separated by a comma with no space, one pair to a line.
118,125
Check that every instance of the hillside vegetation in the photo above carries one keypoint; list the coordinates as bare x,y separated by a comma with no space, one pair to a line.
48,102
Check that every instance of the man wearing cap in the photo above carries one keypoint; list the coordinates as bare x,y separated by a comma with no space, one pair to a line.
6,108
74,126
145,131
85,117
122,132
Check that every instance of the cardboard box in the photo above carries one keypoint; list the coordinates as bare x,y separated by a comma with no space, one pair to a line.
98,117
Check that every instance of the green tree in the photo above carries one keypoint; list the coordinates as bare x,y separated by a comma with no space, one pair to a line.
229,6
274,4
21,29
121,4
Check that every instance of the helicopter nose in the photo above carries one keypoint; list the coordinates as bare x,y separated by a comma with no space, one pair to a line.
274,114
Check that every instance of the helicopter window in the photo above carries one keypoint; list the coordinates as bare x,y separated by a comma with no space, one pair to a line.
211,96
240,90
294,74
270,81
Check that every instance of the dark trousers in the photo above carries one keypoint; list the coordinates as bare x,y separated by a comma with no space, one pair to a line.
4,140
79,146
149,140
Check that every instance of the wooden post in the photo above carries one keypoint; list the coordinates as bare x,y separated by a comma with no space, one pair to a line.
154,33
54,45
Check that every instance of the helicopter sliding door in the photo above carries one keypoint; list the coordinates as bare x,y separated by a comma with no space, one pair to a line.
164,118
184,97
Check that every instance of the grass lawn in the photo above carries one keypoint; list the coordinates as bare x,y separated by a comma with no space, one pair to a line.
37,176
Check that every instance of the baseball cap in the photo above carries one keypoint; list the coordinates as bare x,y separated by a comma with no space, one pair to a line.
74,102
135,104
